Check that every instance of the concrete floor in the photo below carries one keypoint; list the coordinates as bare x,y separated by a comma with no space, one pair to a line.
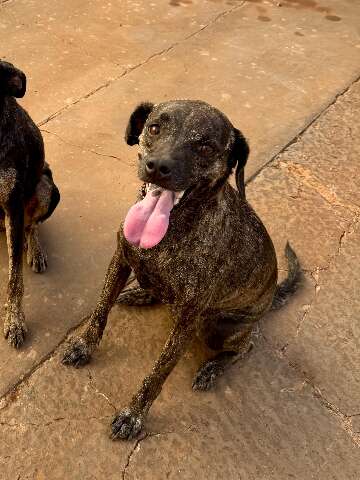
287,74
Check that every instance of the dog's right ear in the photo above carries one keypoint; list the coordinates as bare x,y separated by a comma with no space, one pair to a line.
12,81
136,122
238,157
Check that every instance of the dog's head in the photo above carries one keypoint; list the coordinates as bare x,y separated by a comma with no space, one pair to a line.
184,142
12,81
188,149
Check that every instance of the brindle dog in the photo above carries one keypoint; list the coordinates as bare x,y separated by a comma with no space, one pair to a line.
28,195
211,259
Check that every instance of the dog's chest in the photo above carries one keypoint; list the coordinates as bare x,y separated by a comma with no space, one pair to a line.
175,270
156,270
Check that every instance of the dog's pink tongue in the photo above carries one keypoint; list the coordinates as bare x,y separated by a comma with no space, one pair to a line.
147,221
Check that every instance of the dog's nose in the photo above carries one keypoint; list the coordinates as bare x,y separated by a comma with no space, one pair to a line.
157,169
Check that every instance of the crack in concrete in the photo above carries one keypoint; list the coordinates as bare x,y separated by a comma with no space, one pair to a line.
299,135
315,274
98,392
136,446
140,64
18,425
331,197
307,178
306,308
50,422
12,393
131,453
84,149
345,419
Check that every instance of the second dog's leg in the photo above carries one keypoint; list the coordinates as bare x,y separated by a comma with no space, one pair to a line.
14,325
128,423
36,255
39,208
81,347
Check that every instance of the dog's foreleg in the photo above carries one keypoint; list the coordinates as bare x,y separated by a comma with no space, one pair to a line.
81,347
128,423
14,325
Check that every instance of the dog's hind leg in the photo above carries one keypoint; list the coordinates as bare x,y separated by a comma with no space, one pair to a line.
38,209
136,297
230,334
36,256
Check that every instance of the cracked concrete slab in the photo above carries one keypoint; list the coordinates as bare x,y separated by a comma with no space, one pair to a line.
291,409
325,344
261,422
333,140
42,423
86,138
69,52
267,84
296,213
322,322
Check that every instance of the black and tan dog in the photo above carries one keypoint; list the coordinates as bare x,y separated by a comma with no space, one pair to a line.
28,195
194,243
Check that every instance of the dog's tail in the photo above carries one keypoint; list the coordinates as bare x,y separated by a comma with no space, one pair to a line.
291,283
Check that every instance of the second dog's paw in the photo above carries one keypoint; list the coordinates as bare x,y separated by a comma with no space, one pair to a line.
206,375
37,259
77,353
15,329
126,425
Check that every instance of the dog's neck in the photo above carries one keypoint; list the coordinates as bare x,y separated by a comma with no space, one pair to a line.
210,189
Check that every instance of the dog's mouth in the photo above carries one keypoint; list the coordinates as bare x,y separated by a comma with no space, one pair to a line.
147,221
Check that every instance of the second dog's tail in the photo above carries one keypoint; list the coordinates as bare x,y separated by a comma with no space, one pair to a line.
291,283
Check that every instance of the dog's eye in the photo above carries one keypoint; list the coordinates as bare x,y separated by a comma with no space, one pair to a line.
154,129
205,150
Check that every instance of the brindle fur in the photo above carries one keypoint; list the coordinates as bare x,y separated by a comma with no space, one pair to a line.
28,194
216,267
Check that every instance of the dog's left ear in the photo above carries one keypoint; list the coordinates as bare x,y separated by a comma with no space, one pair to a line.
136,122
238,156
12,81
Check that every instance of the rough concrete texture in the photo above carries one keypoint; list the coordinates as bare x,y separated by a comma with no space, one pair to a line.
284,75
324,205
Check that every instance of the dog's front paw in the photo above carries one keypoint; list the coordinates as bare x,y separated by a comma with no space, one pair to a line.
126,425
206,376
15,328
36,259
77,353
